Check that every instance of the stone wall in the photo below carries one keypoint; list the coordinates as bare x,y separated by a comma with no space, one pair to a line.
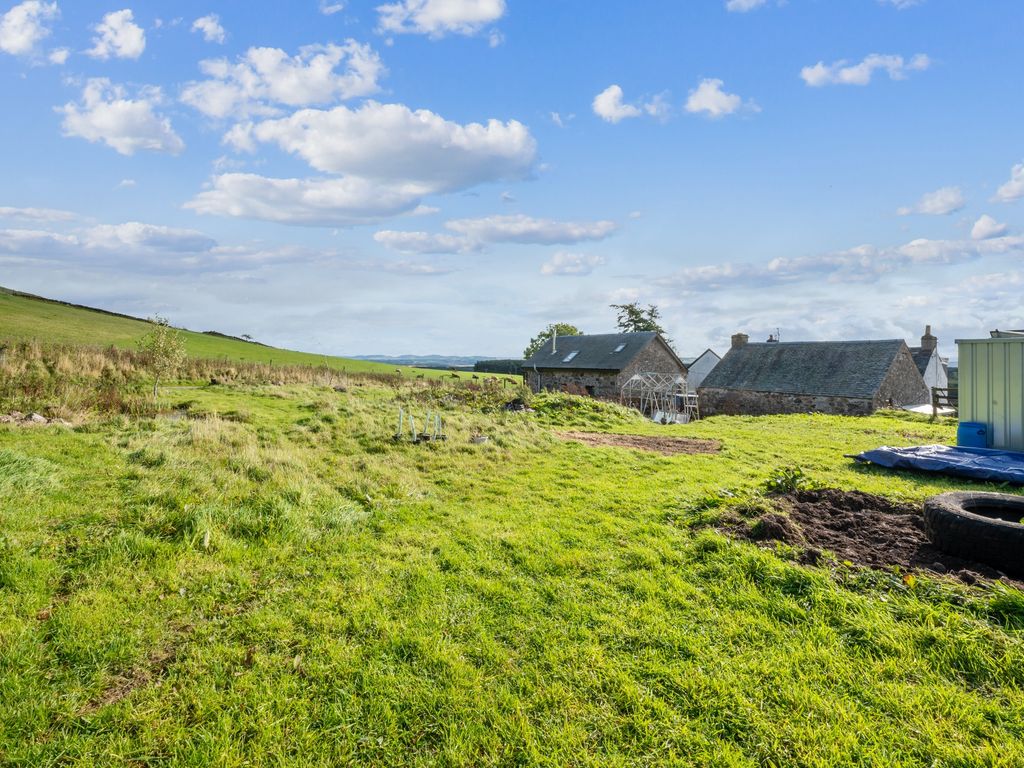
734,402
654,358
903,385
600,384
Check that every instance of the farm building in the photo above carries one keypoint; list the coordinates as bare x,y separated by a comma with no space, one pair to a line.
840,377
697,368
599,364
991,373
934,369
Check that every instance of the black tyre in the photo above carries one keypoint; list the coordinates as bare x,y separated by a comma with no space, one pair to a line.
984,527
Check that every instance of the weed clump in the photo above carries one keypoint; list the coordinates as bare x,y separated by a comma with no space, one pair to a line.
788,480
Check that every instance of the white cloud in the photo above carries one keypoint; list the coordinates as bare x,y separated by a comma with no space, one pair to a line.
134,234
23,27
475,234
986,228
941,202
419,150
36,214
901,4
329,9
709,98
844,73
127,125
423,242
1014,188
608,105
264,77
58,56
437,18
118,36
118,251
742,6
863,264
560,120
388,157
126,183
525,229
571,264
211,28
305,202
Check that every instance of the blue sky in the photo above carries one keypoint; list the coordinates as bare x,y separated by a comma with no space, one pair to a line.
449,176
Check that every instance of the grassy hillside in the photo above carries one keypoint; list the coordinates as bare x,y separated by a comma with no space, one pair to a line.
264,577
24,318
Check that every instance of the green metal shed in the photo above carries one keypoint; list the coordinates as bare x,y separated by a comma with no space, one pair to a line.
992,388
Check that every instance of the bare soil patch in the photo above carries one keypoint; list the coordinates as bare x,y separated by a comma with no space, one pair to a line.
667,446
863,529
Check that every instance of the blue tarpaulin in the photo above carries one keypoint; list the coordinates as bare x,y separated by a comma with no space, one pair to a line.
975,463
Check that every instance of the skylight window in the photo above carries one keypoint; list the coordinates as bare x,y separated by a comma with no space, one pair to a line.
570,356
619,348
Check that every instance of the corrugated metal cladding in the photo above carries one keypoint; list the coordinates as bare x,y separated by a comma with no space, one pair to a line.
992,388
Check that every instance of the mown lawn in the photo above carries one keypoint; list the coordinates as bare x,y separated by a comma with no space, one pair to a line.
281,584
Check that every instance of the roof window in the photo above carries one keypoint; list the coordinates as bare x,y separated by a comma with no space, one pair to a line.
570,356
619,348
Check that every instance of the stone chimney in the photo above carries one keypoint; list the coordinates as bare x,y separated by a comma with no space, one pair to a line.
928,342
739,340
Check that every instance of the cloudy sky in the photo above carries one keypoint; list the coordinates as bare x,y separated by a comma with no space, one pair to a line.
448,176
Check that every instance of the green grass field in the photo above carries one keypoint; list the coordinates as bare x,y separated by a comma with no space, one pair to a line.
24,318
265,578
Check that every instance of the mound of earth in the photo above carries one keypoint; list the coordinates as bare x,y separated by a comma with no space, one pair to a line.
667,446
863,529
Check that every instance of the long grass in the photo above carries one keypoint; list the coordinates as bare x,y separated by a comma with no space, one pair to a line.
264,576
65,381
31,319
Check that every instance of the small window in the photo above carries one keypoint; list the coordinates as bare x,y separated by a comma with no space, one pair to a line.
570,356
619,348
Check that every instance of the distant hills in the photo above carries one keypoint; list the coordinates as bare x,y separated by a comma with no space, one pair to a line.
441,362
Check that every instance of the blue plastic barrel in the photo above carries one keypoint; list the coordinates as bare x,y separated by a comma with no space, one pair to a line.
972,434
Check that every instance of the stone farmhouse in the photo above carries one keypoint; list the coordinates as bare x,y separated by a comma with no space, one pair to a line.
599,364
933,368
838,377
697,368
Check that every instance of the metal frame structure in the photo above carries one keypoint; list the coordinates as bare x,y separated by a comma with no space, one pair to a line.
662,396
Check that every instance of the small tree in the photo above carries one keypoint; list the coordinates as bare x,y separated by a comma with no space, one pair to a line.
632,318
165,349
538,341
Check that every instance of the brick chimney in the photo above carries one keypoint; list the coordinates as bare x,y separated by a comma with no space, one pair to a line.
928,342
739,340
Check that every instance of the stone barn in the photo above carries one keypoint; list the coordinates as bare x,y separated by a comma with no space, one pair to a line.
840,377
599,364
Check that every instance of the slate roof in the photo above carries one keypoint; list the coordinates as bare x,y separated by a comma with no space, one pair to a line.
825,368
689,361
921,357
594,352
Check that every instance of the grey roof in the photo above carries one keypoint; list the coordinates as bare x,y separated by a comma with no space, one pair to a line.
688,361
921,357
828,368
594,352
